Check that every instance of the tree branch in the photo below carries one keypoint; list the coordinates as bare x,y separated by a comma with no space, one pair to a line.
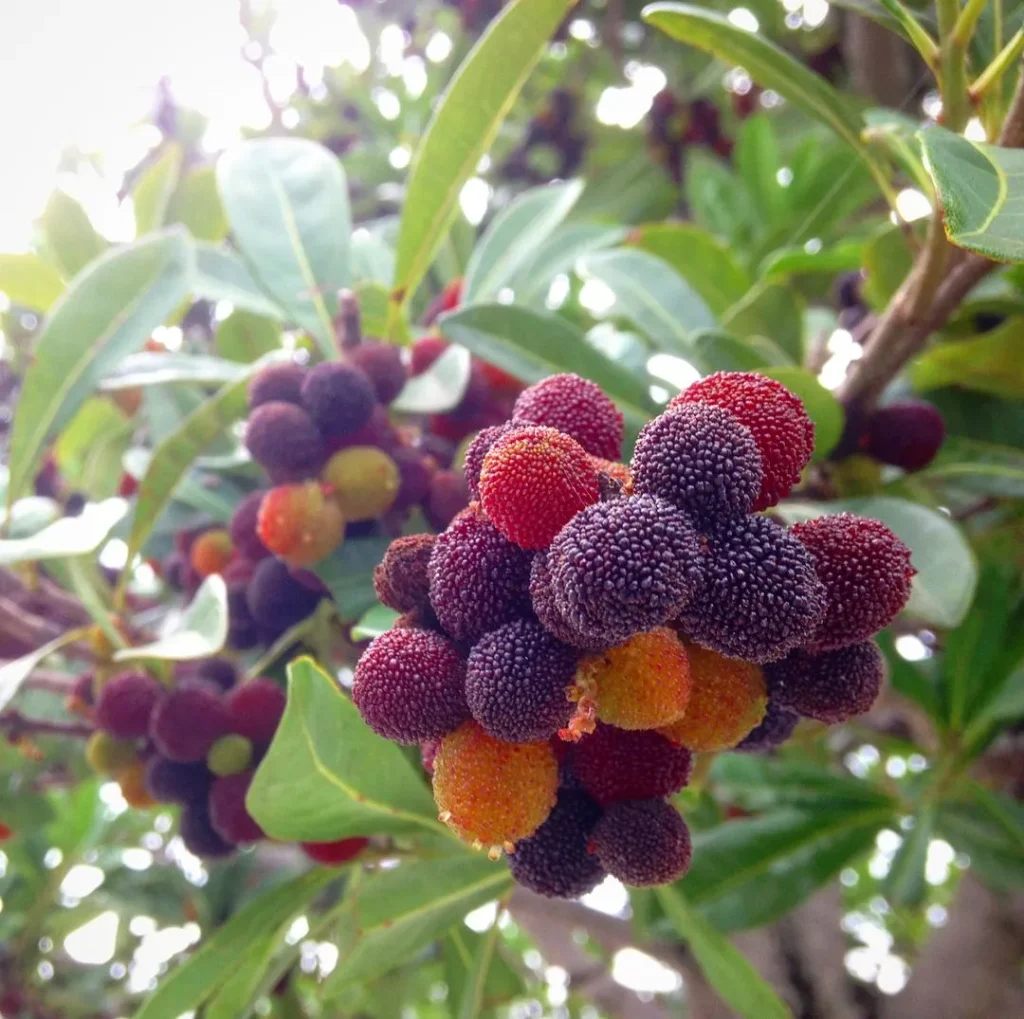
17,725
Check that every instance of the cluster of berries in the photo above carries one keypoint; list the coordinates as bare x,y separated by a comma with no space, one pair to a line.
674,125
195,744
583,627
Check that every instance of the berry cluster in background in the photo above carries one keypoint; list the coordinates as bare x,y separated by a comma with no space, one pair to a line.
584,627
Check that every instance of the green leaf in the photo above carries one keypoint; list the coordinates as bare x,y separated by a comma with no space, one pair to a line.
786,262
327,775
89,450
197,204
107,313
461,948
771,68
373,623
822,407
771,310
996,857
990,363
245,337
395,913
463,127
652,295
30,281
287,202
718,350
373,260
887,261
149,368
348,572
154,189
70,235
14,673
981,193
724,967
1005,706
911,679
223,276
196,980
702,260
532,345
200,633
68,536
438,389
717,198
983,467
471,1004
905,885
758,159
513,238
897,133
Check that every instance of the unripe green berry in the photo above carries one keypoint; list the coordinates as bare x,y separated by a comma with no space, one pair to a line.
107,755
230,755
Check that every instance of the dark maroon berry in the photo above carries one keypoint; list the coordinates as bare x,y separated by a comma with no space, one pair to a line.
125,704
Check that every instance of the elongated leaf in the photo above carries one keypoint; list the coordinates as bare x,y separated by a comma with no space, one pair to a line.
983,467
31,281
1006,705
728,972
758,159
197,204
461,948
717,198
462,129
373,259
471,1004
771,310
786,262
197,979
223,276
905,884
104,315
440,388
200,633
532,345
511,240
395,913
996,857
68,536
70,235
89,450
655,298
149,368
719,350
348,573
14,673
770,67
822,407
153,192
245,337
981,193
287,202
327,775
991,363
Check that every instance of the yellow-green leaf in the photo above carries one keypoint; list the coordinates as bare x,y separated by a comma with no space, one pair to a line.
30,280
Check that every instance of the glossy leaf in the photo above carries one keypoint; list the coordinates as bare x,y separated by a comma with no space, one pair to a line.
905,883
464,124
717,198
106,314
981,193
328,776
14,673
30,281
758,159
373,623
68,536
786,262
245,337
822,407
990,363
70,235
287,202
438,389
222,276
152,193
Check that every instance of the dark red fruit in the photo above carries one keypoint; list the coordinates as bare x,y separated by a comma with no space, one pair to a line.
170,781
643,843
425,351
284,441
277,383
228,814
907,434
448,496
198,834
188,721
400,579
125,704
546,609
382,363
243,527
415,472
275,599
255,709
219,671
333,854
338,397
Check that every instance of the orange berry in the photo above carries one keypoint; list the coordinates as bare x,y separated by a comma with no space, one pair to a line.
132,781
211,552
299,523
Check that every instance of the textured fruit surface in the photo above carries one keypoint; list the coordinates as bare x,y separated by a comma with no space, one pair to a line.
132,781
477,450
299,523
276,383
830,687
643,843
493,792
447,496
364,481
542,598
701,459
230,755
642,684
617,764
776,418
906,433
727,700
284,441
577,407
383,366
275,599
618,472
517,681
410,686
243,527
338,397
772,731
533,481
415,471
400,579
125,703
761,596
255,709
107,755
478,578
188,720
173,782
198,834
624,566
556,861
333,854
866,571
211,552
228,814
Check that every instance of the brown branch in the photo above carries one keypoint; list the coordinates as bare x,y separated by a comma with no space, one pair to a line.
17,725
49,680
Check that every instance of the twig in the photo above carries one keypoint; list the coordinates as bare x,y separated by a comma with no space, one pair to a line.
16,725
49,680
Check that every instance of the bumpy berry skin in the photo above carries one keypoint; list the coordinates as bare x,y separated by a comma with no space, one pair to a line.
338,397
478,578
617,764
517,679
383,366
643,843
277,383
906,433
211,552
477,450
284,441
334,854
620,473
275,599
728,699
228,815
534,480
125,703
447,497
198,833
624,566
400,579
378,431
173,782
107,755
410,686
772,731
364,481
776,418
230,755
188,721
493,792
701,459
219,671
866,571
255,710
546,609
555,861
577,407
831,687
299,523
243,527
761,598
642,684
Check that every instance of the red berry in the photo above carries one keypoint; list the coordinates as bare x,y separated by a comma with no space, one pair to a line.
255,709
125,704
401,580
188,721
577,407
333,854
299,523
229,816
425,351
906,433
243,527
